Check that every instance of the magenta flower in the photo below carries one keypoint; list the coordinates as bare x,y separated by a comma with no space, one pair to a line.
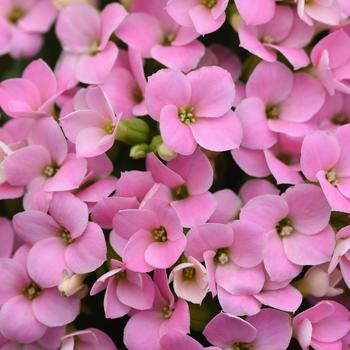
76,244
148,238
88,339
198,107
284,33
125,290
204,16
297,229
93,125
330,167
322,326
184,184
33,95
89,55
22,24
155,34
166,316
270,329
39,307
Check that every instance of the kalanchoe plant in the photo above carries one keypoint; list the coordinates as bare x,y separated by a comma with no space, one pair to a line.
174,174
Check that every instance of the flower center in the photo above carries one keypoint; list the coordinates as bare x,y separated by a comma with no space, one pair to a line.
284,228
50,170
242,346
65,236
109,128
120,275
180,192
267,39
340,119
137,95
159,234
168,39
167,312
31,291
16,14
189,273
272,112
221,257
331,176
209,3
94,48
186,115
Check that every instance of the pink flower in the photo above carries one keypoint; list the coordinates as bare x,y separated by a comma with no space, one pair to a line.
125,290
190,280
264,10
33,95
284,33
148,238
22,24
88,55
184,183
28,308
87,339
297,229
329,167
7,237
166,316
198,108
205,16
322,326
63,241
270,329
155,34
93,125
331,57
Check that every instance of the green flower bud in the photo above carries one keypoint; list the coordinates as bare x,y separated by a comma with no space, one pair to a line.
139,151
133,131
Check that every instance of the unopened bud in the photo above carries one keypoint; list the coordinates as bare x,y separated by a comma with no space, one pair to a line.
133,131
60,4
166,153
73,285
139,151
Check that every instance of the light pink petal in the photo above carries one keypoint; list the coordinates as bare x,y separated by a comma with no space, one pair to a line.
203,20
7,236
69,176
164,255
342,135
180,319
212,91
54,310
265,211
274,329
297,57
228,206
141,31
178,341
256,12
310,249
196,171
33,226
88,251
134,252
248,244
252,162
272,82
70,212
183,58
252,114
218,134
308,208
157,94
275,251
150,339
113,307
238,305
47,133
12,278
247,281
24,165
176,135
286,299
135,297
24,329
195,210
95,69
46,262
256,187
179,11
312,160
225,329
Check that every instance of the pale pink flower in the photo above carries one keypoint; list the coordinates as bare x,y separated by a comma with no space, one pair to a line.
256,12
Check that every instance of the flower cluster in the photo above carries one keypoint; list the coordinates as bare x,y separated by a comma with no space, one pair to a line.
202,193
